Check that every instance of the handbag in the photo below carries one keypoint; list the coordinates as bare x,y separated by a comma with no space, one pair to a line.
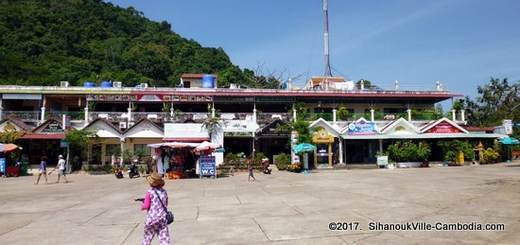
169,215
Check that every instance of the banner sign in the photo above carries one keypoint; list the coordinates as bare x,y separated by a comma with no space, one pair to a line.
508,126
150,98
362,128
207,166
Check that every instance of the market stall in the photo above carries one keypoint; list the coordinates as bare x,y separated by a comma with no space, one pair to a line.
8,168
180,159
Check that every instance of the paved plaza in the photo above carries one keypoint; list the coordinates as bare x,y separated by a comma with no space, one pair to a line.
283,208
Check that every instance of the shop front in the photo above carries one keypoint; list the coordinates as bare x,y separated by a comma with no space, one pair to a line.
323,154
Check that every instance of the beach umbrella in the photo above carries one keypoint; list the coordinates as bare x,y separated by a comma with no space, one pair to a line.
4,148
304,147
509,141
205,146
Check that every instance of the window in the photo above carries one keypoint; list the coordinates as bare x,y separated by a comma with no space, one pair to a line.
141,149
187,84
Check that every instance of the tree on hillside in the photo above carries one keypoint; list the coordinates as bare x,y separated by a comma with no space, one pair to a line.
44,42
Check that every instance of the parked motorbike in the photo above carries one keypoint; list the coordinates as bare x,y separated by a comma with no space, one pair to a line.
133,171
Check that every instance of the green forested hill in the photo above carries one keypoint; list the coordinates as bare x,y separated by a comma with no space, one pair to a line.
43,42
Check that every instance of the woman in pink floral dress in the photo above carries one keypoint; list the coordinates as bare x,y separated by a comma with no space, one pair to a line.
156,223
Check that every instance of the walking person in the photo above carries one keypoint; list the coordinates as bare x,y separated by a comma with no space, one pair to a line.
155,202
251,171
42,170
61,169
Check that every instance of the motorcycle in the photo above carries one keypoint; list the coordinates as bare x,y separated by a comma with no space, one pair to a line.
133,171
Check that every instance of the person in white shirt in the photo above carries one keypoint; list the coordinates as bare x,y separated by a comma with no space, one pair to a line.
61,169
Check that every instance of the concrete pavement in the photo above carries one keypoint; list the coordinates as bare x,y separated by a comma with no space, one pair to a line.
283,208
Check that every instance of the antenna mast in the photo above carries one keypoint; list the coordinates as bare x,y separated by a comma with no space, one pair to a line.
328,71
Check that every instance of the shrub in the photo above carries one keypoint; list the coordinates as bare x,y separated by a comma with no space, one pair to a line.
451,148
282,161
407,151
257,163
97,168
490,156
235,160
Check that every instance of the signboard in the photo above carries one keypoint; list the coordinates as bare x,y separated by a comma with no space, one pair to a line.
444,128
508,126
149,97
64,144
207,166
2,165
362,128
382,160
53,127
22,96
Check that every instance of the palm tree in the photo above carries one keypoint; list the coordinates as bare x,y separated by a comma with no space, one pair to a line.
211,124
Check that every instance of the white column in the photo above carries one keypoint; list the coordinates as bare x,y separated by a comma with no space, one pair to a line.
453,115
334,115
42,118
129,110
122,151
171,112
463,115
1,108
409,111
254,112
213,114
340,150
294,113
372,115
86,115
44,102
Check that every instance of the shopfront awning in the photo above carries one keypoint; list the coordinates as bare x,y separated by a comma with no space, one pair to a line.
40,136
174,145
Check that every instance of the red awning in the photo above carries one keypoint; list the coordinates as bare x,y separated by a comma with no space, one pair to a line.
37,136
191,139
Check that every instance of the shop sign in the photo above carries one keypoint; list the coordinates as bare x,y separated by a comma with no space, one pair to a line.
508,126
362,128
207,166
238,134
2,165
322,136
444,128
382,160
64,144
54,127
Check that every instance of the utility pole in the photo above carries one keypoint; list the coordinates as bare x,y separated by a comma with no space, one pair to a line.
328,71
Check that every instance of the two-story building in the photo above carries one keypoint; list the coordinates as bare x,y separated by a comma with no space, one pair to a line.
353,123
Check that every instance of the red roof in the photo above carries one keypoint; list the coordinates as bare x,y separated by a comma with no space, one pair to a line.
191,139
477,129
39,136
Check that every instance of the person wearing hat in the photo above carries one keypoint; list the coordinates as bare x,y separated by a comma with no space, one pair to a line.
156,203
61,169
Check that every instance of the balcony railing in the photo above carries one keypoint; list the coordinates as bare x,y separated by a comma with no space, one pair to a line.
74,115
23,115
267,117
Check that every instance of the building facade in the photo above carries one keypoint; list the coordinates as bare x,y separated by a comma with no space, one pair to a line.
352,125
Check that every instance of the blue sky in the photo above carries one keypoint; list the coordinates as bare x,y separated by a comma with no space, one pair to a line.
459,42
